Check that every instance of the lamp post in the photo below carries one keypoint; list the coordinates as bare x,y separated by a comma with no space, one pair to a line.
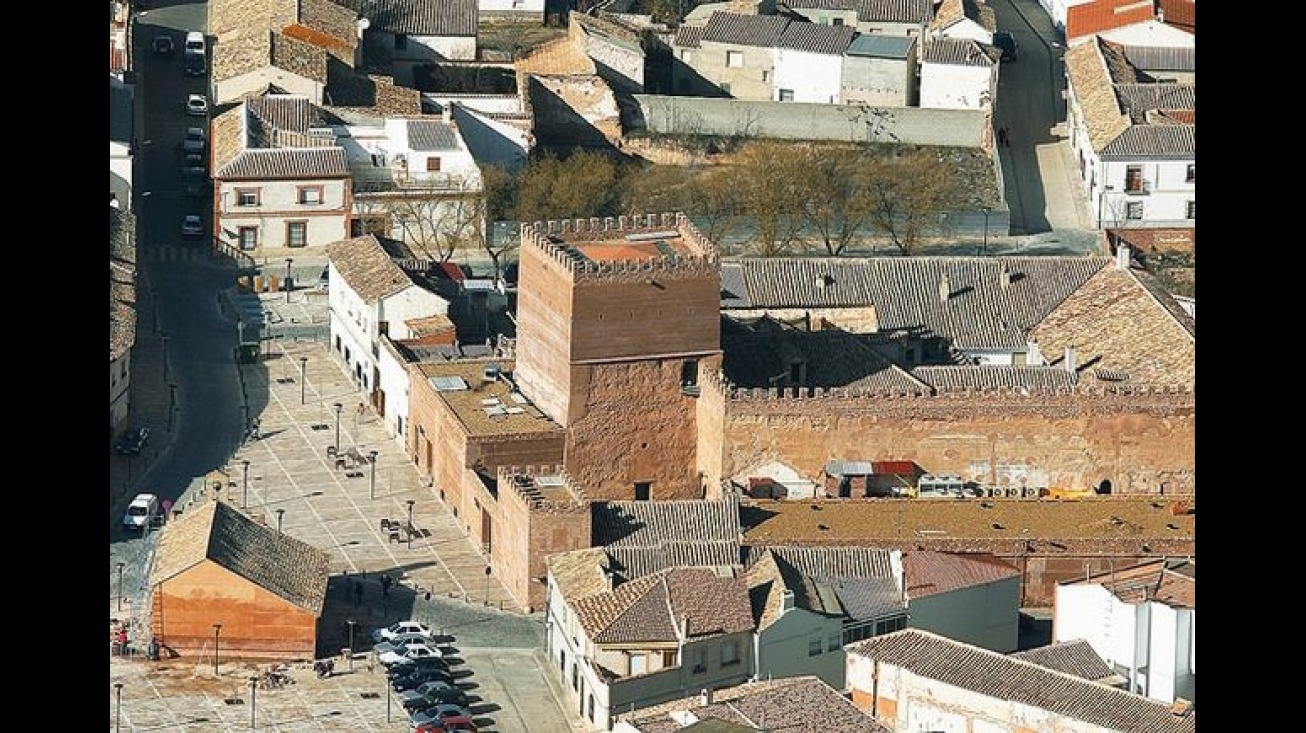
289,260
410,523
303,365
351,644
1101,206
371,455
253,699
120,567
216,629
117,708
487,585
244,499
280,514
338,407
984,249
164,338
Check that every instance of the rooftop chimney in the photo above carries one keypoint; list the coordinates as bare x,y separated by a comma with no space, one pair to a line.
1070,359
786,601
1004,277
705,697
945,288
446,113
1122,256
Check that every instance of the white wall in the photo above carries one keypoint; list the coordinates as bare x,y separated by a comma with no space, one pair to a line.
120,164
986,615
782,648
949,86
236,87
535,7
877,81
968,29
1166,197
278,203
491,142
394,385
813,77
1150,33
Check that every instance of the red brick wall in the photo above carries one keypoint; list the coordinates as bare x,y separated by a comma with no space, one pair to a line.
536,532
543,354
626,315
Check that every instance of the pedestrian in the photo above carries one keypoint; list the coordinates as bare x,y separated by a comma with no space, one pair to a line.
122,642
358,593
1002,137
385,585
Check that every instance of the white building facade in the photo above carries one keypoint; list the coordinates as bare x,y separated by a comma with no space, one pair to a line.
957,74
802,76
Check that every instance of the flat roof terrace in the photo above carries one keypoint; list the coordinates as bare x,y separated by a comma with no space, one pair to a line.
486,407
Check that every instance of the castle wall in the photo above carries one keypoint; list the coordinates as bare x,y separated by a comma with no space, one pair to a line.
543,353
1141,441
537,530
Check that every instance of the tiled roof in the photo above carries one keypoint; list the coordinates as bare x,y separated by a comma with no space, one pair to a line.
1162,58
557,57
331,20
634,562
867,523
646,619
122,283
1091,84
931,573
816,38
864,599
978,377
802,704
652,523
1114,322
829,562
216,532
654,607
956,52
1127,118
744,30
1153,142
291,113
895,11
854,581
1136,100
423,17
378,95
579,573
1012,680
878,45
1179,13
1072,657
365,266
979,312
1102,15
431,135
953,11
285,163
760,355
1172,582
688,36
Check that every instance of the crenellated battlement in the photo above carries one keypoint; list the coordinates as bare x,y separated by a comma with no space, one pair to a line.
548,488
561,239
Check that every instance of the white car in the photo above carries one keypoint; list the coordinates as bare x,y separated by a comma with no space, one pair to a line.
401,627
410,653
197,105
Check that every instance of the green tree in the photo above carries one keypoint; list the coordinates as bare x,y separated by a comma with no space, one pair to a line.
582,185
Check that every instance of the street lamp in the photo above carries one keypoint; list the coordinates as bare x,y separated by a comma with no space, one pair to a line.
117,707
253,699
164,337
338,408
288,276
216,629
985,248
410,523
303,365
351,644
244,499
1100,204
487,585
120,567
280,513
372,457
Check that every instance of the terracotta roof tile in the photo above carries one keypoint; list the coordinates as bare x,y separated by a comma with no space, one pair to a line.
1102,15
580,573
957,52
989,377
285,163
744,30
652,523
424,17
954,11
633,562
282,565
656,607
1007,679
558,56
931,573
802,704
365,266
122,282
885,11
1172,582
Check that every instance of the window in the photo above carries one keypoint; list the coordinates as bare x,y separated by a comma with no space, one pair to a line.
832,643
1134,210
296,234
786,95
433,165
248,237
642,490
1192,174
401,42
310,195
735,59
700,661
638,664
247,196
766,75
889,626
668,659
1134,178
836,21
1192,209
814,647
729,653
689,374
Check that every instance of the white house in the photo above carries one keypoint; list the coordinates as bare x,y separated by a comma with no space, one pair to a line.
973,598
1150,33
370,295
647,640
412,33
915,680
1142,620
280,182
1135,141
880,70
958,74
426,336
890,17
809,63
964,19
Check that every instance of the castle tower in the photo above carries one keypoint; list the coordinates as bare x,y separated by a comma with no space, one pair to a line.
615,319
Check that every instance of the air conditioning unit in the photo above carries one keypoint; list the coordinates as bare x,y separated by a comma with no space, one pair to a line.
1013,492
1029,492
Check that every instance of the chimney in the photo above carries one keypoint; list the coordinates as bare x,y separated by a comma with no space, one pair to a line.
872,319
786,601
684,628
1004,277
446,113
945,288
1070,359
1122,256
705,697
1033,357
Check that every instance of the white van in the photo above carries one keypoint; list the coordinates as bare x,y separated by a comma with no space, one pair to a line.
141,511
194,44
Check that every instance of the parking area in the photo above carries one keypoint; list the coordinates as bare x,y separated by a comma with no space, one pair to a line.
292,477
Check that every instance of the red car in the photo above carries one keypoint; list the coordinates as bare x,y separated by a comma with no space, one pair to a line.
453,724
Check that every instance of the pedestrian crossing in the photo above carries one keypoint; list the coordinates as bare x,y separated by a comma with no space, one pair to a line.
170,253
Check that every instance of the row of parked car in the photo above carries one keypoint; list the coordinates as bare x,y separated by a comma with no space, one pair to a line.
421,674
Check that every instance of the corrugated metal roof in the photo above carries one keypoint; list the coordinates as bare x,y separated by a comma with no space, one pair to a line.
878,45
838,467
1162,58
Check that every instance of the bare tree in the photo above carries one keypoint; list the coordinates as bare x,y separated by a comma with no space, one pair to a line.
436,216
771,183
837,205
907,193
493,204
714,199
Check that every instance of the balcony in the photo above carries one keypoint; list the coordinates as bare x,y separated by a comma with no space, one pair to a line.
368,178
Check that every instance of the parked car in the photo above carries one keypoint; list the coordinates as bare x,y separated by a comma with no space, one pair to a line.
197,105
398,640
141,511
196,65
420,665
429,694
131,442
437,713
162,45
399,627
1007,43
195,141
192,226
410,653
451,724
413,678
